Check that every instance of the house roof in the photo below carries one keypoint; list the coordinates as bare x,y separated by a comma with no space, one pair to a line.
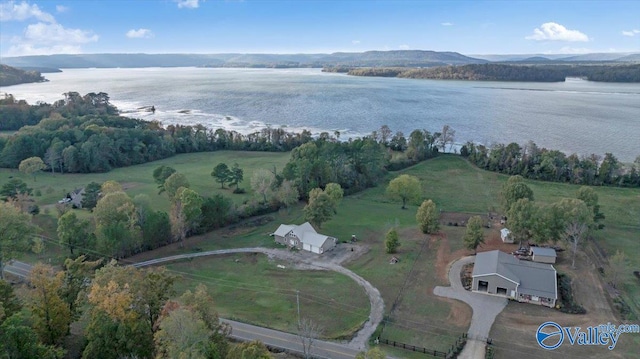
533,278
541,251
305,232
283,230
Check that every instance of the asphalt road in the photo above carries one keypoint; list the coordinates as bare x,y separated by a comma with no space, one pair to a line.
291,342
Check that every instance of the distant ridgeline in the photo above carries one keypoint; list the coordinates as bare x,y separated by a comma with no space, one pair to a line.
504,72
82,134
13,76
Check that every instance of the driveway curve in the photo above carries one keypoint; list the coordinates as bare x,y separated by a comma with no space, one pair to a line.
485,310
359,342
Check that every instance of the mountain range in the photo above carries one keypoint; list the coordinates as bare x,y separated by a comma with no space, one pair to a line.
399,58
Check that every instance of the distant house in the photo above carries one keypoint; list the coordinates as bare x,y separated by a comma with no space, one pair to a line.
506,236
543,255
304,237
499,273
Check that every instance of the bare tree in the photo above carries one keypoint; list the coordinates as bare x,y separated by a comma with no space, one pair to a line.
447,136
575,232
308,332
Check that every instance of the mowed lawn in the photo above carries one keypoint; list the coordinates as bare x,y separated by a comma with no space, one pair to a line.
251,288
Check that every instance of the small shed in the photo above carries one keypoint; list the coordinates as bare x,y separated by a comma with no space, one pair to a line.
506,236
543,255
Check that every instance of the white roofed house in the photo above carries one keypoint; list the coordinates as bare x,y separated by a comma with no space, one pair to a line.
502,274
304,237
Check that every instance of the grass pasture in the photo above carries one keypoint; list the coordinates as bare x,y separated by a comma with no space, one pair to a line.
138,179
251,288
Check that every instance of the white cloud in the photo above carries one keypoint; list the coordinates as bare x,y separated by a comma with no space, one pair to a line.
355,42
447,24
12,11
62,8
188,4
45,39
404,47
139,34
555,32
633,32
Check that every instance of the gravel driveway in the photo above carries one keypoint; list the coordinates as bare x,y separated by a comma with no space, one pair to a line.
485,310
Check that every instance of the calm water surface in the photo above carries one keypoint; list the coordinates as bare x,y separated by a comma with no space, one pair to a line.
574,116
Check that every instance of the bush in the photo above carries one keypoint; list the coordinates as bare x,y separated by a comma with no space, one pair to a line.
37,193
239,190
568,305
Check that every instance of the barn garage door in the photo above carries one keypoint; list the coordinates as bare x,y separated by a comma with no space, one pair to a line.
315,250
306,247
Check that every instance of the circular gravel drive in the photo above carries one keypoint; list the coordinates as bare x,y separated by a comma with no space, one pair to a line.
485,310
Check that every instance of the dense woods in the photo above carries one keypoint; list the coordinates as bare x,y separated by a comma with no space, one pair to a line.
504,72
86,134
13,76
531,161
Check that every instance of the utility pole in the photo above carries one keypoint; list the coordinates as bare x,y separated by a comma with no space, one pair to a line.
298,301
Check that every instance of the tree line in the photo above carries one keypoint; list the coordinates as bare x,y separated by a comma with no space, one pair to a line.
507,72
82,134
531,161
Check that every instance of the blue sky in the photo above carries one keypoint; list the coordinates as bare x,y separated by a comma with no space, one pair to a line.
261,26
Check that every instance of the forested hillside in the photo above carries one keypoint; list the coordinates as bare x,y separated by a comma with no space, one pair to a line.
504,72
13,76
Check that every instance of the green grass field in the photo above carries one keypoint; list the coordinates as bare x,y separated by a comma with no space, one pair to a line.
138,179
251,288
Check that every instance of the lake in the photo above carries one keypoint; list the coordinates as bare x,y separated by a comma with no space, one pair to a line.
573,116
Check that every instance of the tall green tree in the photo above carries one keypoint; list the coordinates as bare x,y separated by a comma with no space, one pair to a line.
391,242
221,173
9,303
405,188
160,175
13,188
589,196
428,217
320,208
72,231
181,334
335,192
16,231
236,176
521,219
175,181
513,190
474,235
78,274
19,340
186,209
31,166
91,195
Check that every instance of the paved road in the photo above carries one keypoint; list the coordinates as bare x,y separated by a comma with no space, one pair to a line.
485,310
274,338
18,269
